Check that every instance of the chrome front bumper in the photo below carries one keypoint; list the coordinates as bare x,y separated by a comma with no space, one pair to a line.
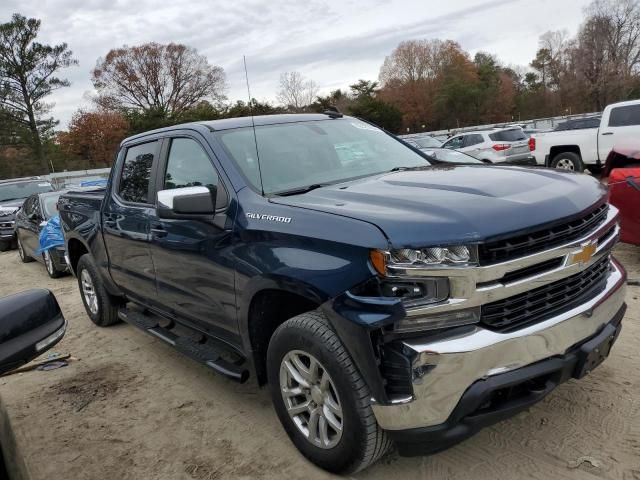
453,364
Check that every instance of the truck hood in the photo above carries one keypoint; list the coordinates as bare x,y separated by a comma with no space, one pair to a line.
455,204
10,207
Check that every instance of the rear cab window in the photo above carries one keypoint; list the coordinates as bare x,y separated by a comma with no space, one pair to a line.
626,116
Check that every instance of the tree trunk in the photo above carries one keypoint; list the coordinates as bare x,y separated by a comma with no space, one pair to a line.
35,138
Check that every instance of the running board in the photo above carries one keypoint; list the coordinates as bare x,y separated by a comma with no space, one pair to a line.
206,353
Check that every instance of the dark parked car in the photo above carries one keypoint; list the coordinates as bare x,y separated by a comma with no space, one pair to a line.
36,211
383,298
12,195
31,323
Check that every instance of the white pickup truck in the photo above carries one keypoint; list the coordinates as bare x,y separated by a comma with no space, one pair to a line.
588,148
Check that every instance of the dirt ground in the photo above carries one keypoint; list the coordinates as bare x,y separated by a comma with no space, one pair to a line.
133,408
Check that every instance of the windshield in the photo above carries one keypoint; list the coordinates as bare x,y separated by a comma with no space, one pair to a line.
450,156
19,191
297,155
50,204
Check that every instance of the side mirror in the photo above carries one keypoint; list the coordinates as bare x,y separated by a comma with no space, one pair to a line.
30,323
185,202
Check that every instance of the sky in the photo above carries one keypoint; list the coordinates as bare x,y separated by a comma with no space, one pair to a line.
335,43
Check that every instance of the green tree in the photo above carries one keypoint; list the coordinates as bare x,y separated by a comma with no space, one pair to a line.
27,76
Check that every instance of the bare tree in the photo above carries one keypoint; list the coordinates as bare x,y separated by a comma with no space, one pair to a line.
27,77
296,92
168,78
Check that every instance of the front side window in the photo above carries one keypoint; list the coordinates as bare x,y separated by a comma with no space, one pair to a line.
189,166
136,173
455,142
301,154
625,116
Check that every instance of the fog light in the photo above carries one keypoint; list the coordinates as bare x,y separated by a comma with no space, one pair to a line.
438,320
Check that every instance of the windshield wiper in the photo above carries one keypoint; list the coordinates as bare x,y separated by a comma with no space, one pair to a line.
298,191
402,169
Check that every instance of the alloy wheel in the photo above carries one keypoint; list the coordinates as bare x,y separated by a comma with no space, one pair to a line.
89,292
311,399
565,164
48,261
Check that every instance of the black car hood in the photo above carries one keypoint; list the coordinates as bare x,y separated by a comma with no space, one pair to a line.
456,204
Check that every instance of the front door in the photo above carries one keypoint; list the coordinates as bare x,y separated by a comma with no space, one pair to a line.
125,221
194,268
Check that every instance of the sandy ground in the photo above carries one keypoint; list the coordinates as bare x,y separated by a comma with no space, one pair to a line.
133,408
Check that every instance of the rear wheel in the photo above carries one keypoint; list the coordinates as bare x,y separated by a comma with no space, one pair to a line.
321,398
101,307
50,265
568,161
23,255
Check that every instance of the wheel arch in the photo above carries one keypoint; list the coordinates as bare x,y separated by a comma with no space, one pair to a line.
266,303
558,149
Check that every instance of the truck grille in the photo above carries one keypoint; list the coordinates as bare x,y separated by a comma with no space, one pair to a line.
521,245
544,302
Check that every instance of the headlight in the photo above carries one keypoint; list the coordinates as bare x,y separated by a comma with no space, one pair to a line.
427,257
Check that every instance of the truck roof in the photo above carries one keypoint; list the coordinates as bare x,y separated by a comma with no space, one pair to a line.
239,122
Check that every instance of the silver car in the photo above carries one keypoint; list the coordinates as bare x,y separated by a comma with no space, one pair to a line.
498,145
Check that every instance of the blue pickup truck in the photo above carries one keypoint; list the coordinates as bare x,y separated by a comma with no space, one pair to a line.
383,295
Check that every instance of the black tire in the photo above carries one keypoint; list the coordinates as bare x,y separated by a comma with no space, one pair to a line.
362,441
568,161
50,266
5,246
21,253
104,312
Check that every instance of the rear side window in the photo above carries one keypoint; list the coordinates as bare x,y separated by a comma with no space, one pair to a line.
136,172
512,135
625,116
473,139
189,166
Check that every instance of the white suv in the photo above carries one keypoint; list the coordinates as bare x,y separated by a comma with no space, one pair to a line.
498,145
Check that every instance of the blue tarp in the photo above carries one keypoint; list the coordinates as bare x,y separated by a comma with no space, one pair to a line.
51,235
94,183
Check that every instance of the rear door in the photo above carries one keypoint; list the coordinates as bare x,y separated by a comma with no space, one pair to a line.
620,127
192,256
27,223
472,144
125,220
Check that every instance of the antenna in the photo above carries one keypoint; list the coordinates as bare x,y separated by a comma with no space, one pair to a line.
253,124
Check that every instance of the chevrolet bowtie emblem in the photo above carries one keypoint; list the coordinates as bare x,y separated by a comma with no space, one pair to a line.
584,255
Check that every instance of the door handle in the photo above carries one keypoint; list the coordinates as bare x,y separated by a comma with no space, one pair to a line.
607,133
159,232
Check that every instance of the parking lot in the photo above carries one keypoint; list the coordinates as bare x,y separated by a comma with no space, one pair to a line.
132,407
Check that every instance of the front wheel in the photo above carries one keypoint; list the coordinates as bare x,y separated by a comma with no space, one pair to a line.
321,398
101,307
568,161
5,246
